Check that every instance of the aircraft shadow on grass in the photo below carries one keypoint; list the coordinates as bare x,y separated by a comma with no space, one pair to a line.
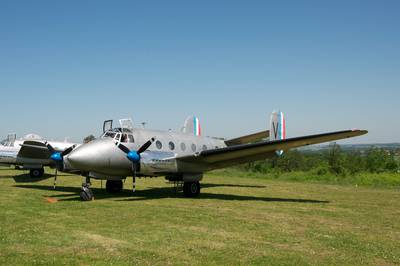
26,178
158,193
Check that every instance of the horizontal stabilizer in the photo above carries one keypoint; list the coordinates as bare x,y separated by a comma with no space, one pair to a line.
248,138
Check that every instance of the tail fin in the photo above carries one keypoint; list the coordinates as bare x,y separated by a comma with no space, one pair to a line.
278,128
192,126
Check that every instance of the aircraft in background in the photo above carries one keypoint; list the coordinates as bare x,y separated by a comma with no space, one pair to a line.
182,157
30,152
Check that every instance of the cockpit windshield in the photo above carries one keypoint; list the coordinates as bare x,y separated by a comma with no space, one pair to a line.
120,137
7,143
127,138
109,134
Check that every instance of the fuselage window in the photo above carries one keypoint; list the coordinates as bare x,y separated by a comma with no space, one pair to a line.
183,146
158,144
118,137
204,147
131,139
171,146
193,147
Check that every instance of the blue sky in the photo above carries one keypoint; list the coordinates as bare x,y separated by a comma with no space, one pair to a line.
65,66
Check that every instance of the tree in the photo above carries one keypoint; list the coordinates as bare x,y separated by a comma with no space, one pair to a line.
336,159
355,162
391,163
291,161
89,138
376,160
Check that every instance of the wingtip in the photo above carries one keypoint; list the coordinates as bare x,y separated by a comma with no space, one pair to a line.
360,131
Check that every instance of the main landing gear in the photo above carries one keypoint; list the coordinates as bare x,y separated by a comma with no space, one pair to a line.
36,173
114,186
191,189
86,193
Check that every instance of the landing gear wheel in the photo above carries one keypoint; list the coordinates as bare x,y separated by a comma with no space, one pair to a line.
114,186
86,194
191,189
36,173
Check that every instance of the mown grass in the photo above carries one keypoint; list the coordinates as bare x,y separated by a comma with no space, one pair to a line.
379,180
235,220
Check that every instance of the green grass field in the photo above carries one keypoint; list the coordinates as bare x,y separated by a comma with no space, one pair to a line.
235,220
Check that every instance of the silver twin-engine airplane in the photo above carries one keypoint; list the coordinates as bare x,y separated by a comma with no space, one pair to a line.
181,157
29,153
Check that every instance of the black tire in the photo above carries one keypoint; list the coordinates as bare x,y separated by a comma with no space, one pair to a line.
114,186
86,194
36,173
191,189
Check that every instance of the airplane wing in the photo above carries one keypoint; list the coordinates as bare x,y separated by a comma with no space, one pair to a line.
248,138
232,155
34,150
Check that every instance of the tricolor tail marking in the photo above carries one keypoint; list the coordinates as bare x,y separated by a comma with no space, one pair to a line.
196,127
192,126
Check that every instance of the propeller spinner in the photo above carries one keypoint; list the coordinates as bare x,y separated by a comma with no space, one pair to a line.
58,158
132,155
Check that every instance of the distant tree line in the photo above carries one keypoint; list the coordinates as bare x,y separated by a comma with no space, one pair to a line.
333,160
89,138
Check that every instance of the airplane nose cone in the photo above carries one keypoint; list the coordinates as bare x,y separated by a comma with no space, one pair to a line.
89,156
78,159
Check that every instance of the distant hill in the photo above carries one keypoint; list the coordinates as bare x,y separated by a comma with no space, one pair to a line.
354,147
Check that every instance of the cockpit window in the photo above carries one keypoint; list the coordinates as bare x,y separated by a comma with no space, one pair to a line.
109,135
120,136
7,143
127,138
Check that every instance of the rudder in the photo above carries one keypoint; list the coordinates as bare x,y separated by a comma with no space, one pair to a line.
277,128
192,126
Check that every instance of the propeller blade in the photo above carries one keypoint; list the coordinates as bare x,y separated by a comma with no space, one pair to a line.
51,149
68,150
134,177
123,148
146,146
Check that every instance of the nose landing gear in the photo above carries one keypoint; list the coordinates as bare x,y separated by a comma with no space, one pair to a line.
86,193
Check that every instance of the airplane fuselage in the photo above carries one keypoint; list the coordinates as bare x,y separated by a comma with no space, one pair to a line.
102,159
9,152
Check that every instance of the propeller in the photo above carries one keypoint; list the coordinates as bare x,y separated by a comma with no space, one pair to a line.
58,158
134,156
